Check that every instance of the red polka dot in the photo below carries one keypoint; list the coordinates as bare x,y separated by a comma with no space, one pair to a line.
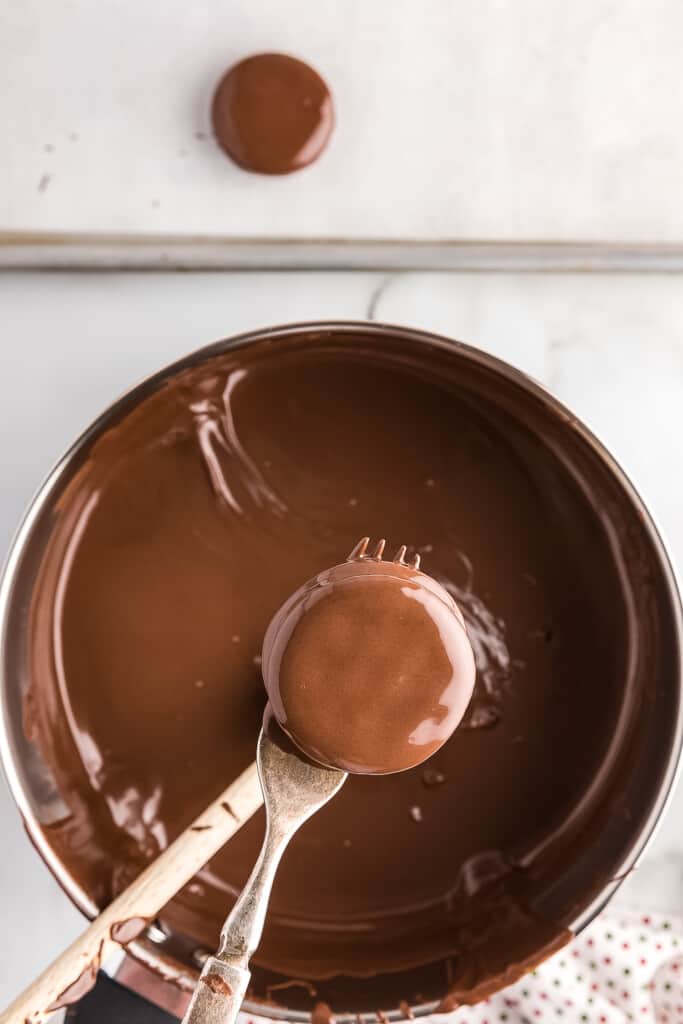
607,960
590,942
625,994
625,945
575,952
544,995
658,945
594,987
643,961
646,919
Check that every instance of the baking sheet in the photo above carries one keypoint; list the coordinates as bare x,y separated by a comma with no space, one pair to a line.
457,122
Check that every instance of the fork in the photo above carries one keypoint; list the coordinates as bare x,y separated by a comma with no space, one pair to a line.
293,789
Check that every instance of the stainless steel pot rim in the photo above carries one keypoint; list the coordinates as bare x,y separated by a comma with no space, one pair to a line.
175,972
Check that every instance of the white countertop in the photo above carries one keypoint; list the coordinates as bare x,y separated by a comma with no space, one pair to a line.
611,346
470,122
535,120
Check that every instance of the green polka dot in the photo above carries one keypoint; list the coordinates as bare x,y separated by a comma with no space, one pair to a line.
590,1000
667,986
584,1016
674,942
609,935
503,1016
610,983
627,971
579,977
556,982
666,924
593,966
525,993
563,963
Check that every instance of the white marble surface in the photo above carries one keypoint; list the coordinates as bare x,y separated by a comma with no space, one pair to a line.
610,345
479,119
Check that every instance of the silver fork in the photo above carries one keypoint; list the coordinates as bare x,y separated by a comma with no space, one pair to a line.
293,790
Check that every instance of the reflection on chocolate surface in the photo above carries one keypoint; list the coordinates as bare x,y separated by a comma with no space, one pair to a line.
272,114
188,523
368,666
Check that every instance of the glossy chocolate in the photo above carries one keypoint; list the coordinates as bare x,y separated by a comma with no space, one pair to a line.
124,932
272,114
83,984
184,527
367,666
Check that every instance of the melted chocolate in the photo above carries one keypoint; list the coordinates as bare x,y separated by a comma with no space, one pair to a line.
218,985
124,932
368,667
184,527
272,114
322,1014
83,984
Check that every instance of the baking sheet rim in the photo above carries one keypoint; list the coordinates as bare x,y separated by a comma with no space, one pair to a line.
59,250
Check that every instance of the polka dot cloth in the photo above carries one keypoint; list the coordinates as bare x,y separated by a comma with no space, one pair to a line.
624,967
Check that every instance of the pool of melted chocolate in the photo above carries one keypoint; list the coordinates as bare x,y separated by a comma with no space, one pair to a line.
191,515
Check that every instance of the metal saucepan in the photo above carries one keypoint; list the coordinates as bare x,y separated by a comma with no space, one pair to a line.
173,957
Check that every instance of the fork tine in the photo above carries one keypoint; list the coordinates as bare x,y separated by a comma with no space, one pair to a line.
401,554
359,550
379,549
416,561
